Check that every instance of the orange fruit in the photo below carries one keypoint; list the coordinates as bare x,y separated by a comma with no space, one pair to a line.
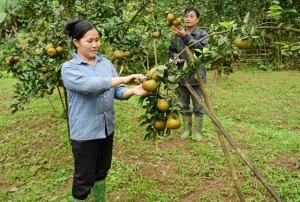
243,44
163,105
119,54
41,93
42,78
50,45
235,53
170,17
11,59
49,91
37,51
152,74
8,62
168,23
136,51
51,52
149,85
155,35
16,59
173,27
59,49
15,68
173,123
219,61
44,70
159,125
127,53
177,22
228,61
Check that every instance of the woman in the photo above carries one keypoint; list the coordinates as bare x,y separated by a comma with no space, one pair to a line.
92,84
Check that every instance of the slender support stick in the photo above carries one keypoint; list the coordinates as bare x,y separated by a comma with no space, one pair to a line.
62,101
155,51
232,142
51,103
222,141
67,106
213,85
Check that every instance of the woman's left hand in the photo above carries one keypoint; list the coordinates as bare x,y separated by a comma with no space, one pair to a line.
138,90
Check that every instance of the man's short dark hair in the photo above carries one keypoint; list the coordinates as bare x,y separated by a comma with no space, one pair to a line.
192,9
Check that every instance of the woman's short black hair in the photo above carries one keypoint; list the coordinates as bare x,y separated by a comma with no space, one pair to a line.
192,9
77,28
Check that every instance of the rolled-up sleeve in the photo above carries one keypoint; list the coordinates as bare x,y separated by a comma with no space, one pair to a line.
77,80
192,38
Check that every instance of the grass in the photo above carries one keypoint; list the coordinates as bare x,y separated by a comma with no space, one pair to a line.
259,109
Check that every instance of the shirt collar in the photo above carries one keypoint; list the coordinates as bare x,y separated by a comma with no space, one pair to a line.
78,59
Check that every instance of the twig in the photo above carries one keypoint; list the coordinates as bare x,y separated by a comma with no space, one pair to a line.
278,28
131,21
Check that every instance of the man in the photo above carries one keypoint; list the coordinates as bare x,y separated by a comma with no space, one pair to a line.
183,38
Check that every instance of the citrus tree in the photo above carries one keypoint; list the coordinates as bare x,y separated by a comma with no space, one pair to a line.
228,42
133,33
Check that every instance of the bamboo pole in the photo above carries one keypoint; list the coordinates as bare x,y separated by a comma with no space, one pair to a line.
221,138
213,85
222,141
64,103
232,142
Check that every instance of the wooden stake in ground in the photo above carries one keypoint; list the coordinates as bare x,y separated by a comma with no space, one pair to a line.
222,141
232,142
220,136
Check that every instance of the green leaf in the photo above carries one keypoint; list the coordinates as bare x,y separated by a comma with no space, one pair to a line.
295,48
246,19
162,67
2,17
275,7
173,86
252,30
227,25
2,6
288,26
274,13
172,78
292,10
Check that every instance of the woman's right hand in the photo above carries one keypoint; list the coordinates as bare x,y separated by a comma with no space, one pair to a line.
132,78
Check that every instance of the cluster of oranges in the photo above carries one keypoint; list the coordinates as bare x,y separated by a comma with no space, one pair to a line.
173,22
169,121
120,54
12,61
150,84
163,105
52,51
